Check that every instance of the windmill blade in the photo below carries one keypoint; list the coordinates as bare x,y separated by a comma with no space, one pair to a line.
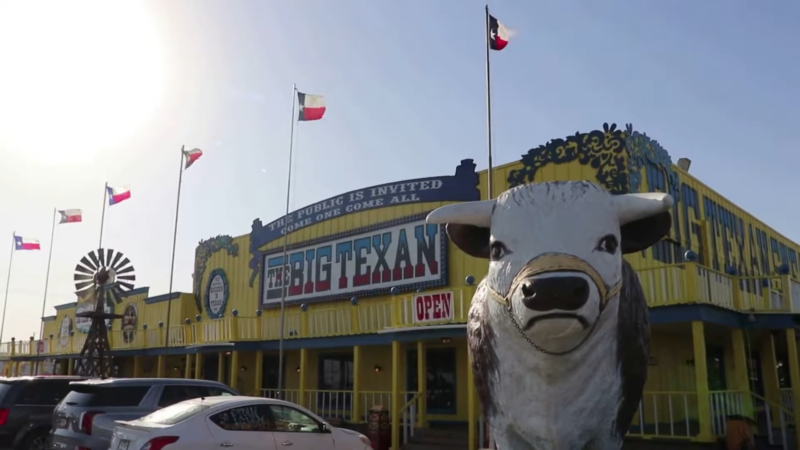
117,257
124,263
91,266
127,277
125,270
101,256
82,277
93,257
109,254
125,286
84,270
83,286
114,296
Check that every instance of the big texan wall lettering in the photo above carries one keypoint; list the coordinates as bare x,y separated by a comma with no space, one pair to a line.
394,256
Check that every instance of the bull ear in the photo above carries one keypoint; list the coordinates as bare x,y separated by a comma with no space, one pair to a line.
472,240
643,233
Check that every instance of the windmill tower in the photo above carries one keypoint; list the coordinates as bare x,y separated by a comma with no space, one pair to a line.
103,275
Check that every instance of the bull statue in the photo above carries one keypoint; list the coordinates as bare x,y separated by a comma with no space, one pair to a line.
558,330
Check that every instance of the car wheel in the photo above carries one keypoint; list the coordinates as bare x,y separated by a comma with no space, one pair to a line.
37,440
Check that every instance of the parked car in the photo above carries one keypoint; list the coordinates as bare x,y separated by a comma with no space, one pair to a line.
242,423
26,409
86,417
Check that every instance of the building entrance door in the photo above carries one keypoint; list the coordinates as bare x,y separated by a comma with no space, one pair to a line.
441,392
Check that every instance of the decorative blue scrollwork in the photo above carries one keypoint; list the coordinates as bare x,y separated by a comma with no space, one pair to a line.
204,251
603,150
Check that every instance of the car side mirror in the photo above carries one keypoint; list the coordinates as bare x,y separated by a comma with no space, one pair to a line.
323,428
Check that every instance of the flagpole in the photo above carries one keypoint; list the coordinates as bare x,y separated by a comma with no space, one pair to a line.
488,106
103,216
46,282
284,277
8,282
172,264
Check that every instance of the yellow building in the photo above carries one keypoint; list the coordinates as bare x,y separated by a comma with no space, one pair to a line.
377,303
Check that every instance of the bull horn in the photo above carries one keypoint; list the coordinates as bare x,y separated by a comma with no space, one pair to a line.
478,214
633,207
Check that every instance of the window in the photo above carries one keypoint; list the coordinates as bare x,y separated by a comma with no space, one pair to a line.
217,392
175,413
336,372
172,394
288,419
4,388
98,396
245,418
42,393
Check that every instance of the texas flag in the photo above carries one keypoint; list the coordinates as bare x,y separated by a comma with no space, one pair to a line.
191,156
70,216
312,107
498,34
116,195
23,243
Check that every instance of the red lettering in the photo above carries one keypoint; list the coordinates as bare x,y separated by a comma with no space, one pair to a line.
447,305
420,310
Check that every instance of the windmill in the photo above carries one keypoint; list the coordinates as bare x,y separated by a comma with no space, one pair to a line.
105,275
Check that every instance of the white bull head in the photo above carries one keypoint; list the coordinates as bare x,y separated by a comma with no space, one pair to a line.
555,251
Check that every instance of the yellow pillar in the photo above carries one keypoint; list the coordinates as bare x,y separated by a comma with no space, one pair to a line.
472,409
422,381
234,369
221,367
198,366
137,367
161,364
303,378
397,400
69,366
356,400
187,369
690,275
769,368
701,381
794,374
741,370
259,372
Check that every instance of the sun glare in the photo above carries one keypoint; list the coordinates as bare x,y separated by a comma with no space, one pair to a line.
78,77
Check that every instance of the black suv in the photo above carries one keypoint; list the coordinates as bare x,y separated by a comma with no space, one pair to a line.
26,409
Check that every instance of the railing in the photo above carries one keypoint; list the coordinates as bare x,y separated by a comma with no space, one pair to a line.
683,283
666,414
692,283
409,416
338,404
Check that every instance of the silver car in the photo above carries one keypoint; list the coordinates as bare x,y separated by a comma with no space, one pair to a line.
86,417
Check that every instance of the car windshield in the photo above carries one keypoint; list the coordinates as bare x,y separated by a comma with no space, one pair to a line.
4,388
175,413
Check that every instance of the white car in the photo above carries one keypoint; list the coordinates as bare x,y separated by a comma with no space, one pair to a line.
238,423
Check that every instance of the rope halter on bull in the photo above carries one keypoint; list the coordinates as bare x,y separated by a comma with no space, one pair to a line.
551,263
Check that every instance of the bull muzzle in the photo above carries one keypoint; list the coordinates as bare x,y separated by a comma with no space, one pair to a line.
565,293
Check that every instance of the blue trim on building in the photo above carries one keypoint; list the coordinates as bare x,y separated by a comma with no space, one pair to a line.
662,315
162,298
65,306
48,318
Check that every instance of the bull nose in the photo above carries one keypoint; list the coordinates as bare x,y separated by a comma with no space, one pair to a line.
565,293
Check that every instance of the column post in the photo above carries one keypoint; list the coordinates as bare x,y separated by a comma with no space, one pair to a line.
701,381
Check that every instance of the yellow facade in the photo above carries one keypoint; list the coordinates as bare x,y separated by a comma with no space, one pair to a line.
723,291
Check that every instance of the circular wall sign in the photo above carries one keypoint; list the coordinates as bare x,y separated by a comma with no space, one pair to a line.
129,318
63,333
217,294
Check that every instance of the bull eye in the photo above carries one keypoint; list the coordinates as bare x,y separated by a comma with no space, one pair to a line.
608,244
498,250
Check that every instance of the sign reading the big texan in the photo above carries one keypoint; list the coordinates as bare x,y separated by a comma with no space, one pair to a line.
409,255
461,187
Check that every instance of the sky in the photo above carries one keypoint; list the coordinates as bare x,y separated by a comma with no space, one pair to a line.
94,92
